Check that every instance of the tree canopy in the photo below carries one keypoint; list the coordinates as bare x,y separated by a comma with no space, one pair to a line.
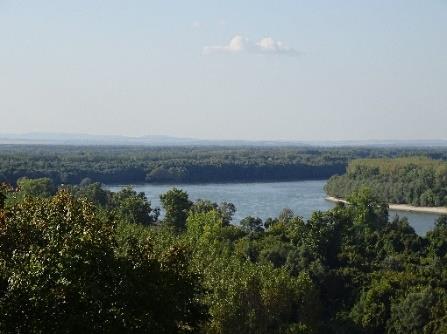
68,264
416,181
136,164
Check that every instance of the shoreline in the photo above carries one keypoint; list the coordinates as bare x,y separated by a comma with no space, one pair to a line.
400,207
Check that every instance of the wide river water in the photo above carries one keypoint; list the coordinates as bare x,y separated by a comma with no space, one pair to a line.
268,199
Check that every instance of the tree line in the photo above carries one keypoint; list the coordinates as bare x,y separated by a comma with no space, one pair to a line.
418,181
83,259
124,165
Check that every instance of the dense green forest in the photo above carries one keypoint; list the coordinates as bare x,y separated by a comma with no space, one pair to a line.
80,259
127,164
417,181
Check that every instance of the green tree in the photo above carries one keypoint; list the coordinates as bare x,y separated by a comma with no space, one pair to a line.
43,187
373,309
367,208
4,190
226,210
176,204
419,312
62,271
133,207
258,299
438,238
94,192
252,225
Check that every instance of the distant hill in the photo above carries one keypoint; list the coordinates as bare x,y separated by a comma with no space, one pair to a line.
158,140
150,140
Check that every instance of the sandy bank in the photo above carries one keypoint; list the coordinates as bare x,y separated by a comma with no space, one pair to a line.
401,207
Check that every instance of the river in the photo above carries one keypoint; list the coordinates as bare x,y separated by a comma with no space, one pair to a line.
268,199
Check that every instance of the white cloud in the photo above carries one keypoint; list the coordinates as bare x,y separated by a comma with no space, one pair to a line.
196,24
241,44
237,44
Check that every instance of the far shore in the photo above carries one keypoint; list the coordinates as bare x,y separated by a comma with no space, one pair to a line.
400,207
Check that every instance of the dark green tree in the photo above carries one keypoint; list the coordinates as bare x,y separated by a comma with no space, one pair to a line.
438,238
252,225
134,207
94,192
62,271
419,312
226,210
4,190
176,204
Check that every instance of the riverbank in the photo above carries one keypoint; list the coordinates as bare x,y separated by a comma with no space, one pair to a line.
400,207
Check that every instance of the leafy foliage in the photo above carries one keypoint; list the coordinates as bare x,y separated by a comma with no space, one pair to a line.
132,164
134,207
176,205
62,270
70,265
42,187
417,181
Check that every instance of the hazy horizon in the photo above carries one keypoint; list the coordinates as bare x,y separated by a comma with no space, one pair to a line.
166,140
256,70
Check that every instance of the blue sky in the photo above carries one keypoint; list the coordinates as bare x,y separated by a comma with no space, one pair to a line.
305,70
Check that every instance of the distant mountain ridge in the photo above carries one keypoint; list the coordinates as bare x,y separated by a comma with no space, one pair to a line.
149,140
160,140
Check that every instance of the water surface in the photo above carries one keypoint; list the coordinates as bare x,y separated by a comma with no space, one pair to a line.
268,199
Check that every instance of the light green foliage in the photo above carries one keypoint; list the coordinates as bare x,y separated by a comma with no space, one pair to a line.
258,299
43,187
204,227
245,297
367,208
417,181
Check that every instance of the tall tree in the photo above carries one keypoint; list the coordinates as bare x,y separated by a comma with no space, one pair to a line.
176,204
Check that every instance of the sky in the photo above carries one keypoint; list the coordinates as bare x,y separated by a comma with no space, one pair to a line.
254,70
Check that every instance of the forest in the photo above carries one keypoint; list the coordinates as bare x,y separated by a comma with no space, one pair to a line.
81,259
137,164
418,181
